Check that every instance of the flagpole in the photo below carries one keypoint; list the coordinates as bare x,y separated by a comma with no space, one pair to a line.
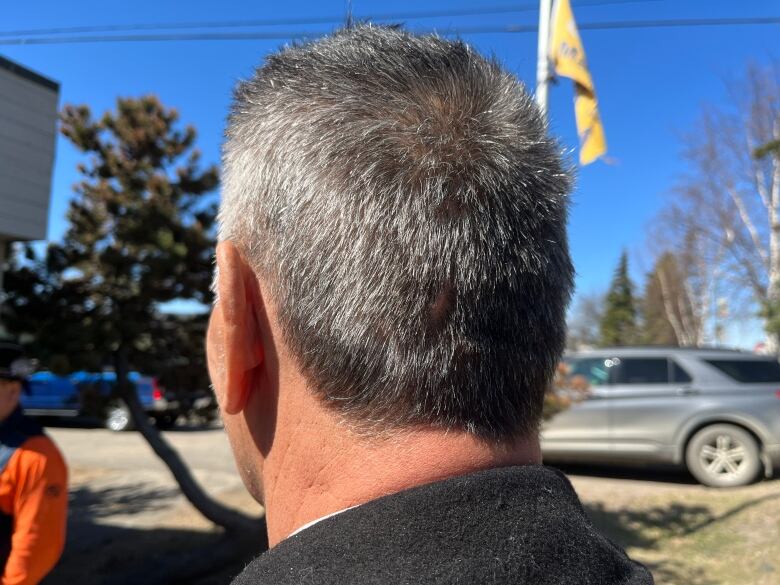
542,58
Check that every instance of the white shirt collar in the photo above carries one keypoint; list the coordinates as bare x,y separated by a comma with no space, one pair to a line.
313,522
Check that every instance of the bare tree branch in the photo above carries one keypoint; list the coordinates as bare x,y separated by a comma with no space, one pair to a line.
748,223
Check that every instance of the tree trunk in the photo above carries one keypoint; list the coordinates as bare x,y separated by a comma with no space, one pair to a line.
229,519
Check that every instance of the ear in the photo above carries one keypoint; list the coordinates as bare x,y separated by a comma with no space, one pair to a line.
235,339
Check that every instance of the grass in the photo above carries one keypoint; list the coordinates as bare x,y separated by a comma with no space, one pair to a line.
691,535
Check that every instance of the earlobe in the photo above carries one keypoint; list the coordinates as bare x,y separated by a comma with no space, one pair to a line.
242,350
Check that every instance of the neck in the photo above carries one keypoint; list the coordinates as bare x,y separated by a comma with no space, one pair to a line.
319,475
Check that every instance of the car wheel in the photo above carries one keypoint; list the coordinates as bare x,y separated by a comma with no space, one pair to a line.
723,456
118,418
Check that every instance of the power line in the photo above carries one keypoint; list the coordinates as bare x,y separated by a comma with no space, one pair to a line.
249,36
680,23
260,35
333,19
629,24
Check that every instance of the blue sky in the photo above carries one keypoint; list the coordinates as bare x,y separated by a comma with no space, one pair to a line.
651,85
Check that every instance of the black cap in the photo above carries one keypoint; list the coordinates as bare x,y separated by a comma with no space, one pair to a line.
13,365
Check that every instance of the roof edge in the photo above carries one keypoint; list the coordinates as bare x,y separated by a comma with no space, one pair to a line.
28,74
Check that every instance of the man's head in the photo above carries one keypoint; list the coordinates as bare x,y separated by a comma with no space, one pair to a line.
13,371
402,212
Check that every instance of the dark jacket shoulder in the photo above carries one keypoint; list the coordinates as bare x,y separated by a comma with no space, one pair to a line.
510,525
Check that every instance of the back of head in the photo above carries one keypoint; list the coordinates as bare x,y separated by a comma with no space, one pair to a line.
402,199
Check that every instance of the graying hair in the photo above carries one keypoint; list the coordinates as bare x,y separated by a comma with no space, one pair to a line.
402,198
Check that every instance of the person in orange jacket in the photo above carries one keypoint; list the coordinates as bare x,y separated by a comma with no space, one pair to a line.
33,484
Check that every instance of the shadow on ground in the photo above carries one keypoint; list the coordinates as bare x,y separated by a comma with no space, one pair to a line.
645,529
665,474
658,473
130,499
118,553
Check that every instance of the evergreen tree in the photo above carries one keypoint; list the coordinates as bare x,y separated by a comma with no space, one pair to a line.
141,233
618,325
42,308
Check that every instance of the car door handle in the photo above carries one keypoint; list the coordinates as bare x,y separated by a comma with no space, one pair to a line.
686,391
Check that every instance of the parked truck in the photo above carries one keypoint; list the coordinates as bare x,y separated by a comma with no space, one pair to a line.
91,395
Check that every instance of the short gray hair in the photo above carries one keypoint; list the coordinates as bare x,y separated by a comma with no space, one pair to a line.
401,196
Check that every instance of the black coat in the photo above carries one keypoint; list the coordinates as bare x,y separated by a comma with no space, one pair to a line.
519,525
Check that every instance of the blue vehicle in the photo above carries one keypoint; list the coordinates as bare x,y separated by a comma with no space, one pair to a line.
87,394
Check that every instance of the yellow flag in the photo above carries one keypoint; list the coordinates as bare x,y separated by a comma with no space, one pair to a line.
568,58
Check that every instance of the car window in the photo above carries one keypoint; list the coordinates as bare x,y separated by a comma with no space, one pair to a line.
594,370
643,371
749,371
679,375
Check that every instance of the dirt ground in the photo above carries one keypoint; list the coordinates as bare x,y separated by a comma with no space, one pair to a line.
129,524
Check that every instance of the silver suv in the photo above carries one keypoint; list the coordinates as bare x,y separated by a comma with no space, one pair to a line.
715,411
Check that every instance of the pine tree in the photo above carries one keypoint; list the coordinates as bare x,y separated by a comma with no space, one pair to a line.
618,326
42,308
141,233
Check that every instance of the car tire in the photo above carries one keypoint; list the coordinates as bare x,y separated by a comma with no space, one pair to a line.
118,418
723,455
